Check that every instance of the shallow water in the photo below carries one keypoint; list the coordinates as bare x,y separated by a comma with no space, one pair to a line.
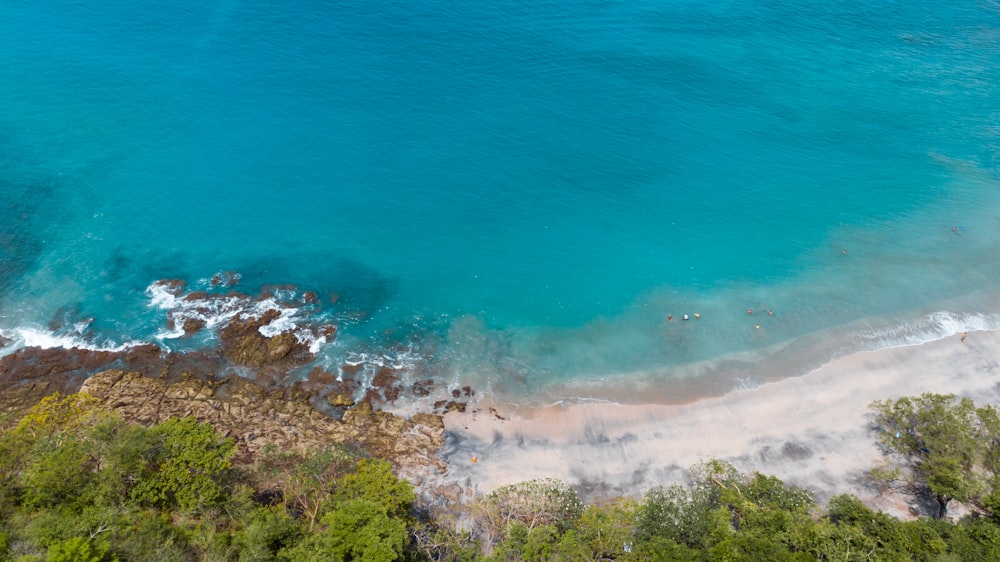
514,197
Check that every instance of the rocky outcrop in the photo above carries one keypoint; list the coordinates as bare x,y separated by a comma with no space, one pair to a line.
243,344
256,417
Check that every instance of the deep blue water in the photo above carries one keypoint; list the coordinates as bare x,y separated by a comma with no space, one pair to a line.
515,195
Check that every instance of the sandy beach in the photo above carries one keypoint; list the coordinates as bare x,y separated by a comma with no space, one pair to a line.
811,430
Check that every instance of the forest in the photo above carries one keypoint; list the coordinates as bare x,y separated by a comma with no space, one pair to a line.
79,484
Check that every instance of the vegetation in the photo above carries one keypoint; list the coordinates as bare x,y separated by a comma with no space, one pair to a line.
78,484
940,446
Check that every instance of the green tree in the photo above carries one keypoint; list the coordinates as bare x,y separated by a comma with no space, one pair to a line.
374,481
80,549
356,530
528,504
266,533
938,446
122,454
185,466
306,480
884,536
59,471
56,420
684,514
606,530
439,538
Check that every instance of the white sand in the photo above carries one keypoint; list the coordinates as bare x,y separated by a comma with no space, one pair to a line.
812,430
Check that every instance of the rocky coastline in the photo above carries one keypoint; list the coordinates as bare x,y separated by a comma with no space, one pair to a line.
250,386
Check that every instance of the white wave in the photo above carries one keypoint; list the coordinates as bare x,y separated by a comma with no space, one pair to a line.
45,339
316,344
217,310
161,296
404,362
935,326
176,332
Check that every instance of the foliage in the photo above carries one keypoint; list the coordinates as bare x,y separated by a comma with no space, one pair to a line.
305,480
358,529
528,505
80,549
942,446
57,472
440,538
374,481
66,414
267,532
82,485
605,530
184,467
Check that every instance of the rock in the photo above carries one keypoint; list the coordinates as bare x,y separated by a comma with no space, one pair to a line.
243,344
451,492
431,421
340,400
192,325
422,388
351,369
256,417
449,406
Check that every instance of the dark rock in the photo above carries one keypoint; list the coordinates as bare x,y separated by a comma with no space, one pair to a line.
422,388
243,344
449,406
192,325
350,370
172,286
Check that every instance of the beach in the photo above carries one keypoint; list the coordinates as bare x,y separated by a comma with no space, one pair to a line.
503,205
812,431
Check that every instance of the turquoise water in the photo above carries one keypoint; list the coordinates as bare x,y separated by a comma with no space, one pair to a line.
511,196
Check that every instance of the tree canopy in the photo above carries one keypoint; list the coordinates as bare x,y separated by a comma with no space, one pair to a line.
939,445
80,484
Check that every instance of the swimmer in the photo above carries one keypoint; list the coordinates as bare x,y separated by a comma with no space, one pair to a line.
757,326
770,312
670,317
749,311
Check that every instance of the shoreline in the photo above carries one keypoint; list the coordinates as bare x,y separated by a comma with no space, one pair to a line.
809,430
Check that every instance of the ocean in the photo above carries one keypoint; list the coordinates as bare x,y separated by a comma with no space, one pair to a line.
524,198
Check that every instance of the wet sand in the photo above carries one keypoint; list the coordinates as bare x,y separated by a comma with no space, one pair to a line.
812,430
